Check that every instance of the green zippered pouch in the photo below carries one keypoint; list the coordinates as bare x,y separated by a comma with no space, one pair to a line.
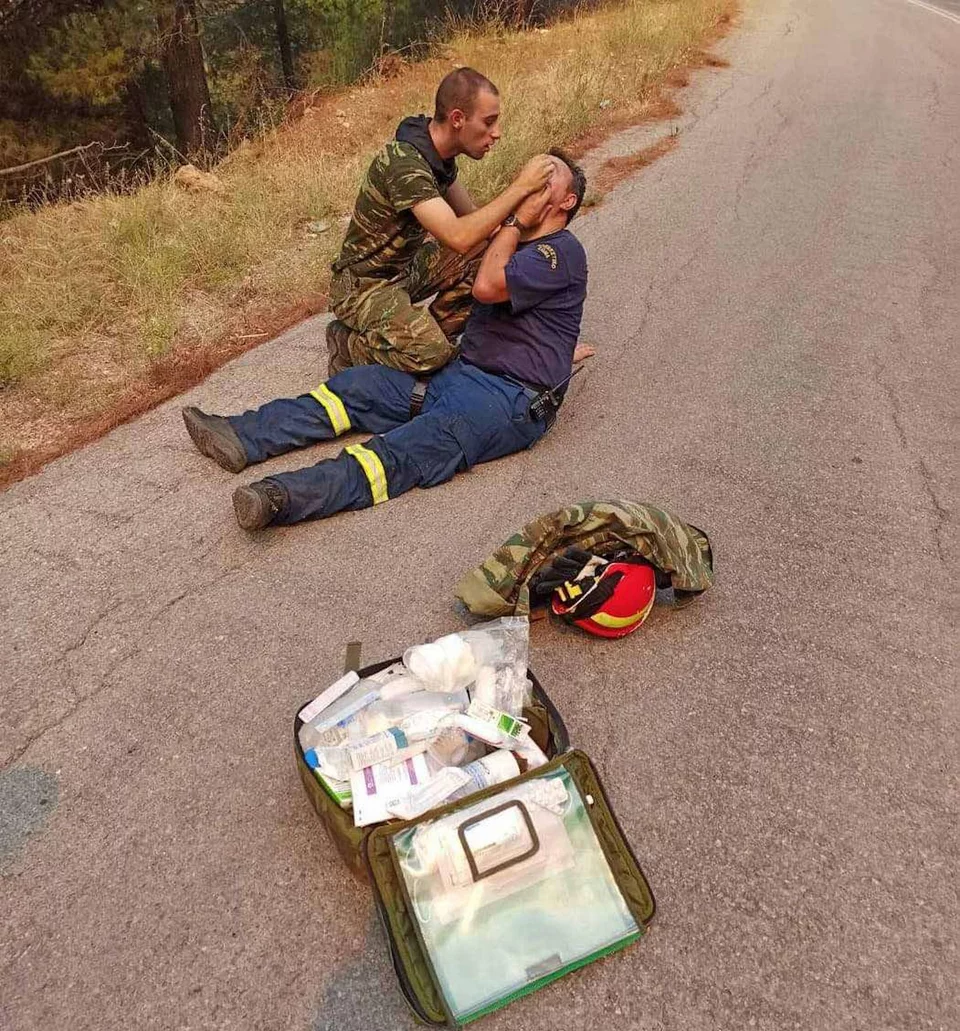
493,897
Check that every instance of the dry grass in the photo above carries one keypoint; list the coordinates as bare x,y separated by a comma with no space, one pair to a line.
112,304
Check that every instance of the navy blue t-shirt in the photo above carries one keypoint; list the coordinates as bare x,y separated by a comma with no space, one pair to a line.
531,336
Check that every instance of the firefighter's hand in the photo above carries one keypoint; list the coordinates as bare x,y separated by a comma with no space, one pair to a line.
582,352
534,209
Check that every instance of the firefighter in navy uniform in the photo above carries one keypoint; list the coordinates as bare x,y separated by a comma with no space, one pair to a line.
499,396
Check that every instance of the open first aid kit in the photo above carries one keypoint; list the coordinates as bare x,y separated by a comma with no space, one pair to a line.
447,780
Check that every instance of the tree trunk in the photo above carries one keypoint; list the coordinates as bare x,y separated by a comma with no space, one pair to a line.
135,115
182,60
283,42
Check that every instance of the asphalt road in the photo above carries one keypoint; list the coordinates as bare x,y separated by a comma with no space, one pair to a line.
777,305
949,7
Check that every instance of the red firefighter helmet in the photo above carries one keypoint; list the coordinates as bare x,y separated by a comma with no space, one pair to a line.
612,604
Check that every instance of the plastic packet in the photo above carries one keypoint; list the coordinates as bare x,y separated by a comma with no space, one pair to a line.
446,664
331,763
395,669
372,787
392,712
492,656
501,650
529,751
497,728
454,747
362,694
444,783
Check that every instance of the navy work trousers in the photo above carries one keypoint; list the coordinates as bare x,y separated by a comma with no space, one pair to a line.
468,416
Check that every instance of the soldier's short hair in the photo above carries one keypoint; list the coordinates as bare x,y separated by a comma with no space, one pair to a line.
579,177
459,89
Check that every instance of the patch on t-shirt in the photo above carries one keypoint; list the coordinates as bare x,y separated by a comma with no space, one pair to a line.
549,253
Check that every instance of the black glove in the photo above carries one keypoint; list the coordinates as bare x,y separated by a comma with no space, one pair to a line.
594,593
582,592
553,574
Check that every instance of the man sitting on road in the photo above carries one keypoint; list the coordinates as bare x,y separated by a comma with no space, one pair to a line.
386,267
499,396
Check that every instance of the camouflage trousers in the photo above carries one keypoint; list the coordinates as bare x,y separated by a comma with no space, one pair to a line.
389,327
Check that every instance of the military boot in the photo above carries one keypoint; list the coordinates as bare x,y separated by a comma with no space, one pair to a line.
338,349
215,438
258,503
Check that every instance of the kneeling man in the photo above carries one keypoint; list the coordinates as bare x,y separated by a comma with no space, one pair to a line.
499,396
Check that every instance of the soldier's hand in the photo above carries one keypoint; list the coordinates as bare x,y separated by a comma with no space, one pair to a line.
535,208
535,173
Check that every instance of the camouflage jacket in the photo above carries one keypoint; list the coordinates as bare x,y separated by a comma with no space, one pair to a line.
499,586
383,234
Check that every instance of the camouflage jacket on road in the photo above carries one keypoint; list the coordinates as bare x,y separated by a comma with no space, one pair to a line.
383,234
499,586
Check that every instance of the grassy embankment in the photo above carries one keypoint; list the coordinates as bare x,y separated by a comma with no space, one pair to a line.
110,305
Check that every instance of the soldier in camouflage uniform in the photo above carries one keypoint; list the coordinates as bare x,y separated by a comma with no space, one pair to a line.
387,267
500,585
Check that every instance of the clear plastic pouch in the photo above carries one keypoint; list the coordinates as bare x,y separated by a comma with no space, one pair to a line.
491,656
501,648
511,891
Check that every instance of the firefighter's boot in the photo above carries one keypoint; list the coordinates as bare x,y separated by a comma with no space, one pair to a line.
215,438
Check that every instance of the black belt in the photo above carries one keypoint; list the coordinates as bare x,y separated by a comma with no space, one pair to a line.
417,395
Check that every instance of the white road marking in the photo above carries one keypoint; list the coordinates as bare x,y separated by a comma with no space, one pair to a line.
936,10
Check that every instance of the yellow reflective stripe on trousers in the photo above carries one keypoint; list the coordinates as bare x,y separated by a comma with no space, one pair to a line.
336,413
373,469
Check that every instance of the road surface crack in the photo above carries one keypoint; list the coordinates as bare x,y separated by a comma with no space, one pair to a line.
104,680
941,515
94,623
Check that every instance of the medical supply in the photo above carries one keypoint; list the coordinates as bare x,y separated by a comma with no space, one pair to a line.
317,730
446,664
529,752
507,892
359,696
494,768
415,748
503,645
328,697
454,747
385,713
331,762
333,737
509,869
374,786
339,790
401,687
509,727
444,784
482,731
485,686
376,749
